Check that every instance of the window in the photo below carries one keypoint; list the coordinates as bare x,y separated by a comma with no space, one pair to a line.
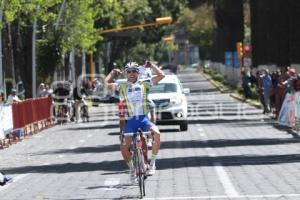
164,88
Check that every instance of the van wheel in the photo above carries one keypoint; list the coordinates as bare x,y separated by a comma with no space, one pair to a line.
184,126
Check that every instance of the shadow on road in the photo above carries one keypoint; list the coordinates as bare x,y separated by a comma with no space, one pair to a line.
222,121
183,145
227,143
80,128
162,164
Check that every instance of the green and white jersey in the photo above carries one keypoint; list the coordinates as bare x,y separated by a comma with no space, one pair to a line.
135,96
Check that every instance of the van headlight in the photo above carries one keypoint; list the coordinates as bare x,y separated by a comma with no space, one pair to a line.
176,100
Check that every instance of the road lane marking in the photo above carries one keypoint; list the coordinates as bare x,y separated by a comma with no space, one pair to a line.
90,135
227,197
109,184
111,181
222,174
81,141
225,180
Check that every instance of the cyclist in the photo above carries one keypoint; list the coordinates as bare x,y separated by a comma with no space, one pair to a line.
78,95
135,92
61,92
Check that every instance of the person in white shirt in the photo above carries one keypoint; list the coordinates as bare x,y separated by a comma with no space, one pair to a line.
145,71
13,97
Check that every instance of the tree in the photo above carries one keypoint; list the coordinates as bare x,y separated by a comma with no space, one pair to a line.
140,12
200,24
230,27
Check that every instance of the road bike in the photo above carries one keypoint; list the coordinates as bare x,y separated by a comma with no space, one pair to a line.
139,151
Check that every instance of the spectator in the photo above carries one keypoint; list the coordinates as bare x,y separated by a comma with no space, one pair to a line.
246,85
259,89
1,97
13,97
42,92
275,80
267,86
288,109
280,91
253,79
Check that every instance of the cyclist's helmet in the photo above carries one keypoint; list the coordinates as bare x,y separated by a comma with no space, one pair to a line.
132,66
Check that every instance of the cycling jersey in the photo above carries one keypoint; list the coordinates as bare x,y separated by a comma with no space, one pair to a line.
135,96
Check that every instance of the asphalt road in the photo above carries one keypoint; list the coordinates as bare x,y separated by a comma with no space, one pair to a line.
230,151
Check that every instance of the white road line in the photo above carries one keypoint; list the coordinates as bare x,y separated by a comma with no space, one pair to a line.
222,174
90,135
14,180
227,197
225,180
111,181
202,135
81,141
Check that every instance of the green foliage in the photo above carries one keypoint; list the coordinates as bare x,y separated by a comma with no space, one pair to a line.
200,25
80,25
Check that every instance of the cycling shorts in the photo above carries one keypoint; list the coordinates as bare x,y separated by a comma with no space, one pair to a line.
136,122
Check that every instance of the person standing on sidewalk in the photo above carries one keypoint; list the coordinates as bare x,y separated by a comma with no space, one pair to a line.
246,85
267,86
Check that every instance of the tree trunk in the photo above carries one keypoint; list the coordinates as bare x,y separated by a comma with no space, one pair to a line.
294,33
270,31
230,27
11,54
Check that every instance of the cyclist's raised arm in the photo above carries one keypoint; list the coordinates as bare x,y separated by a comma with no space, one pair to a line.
159,74
108,80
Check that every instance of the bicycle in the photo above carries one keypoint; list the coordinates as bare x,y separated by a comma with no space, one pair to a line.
140,159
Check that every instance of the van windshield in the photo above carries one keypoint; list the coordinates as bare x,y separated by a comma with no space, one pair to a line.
163,88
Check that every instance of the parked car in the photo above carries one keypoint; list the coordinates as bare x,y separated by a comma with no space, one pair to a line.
170,101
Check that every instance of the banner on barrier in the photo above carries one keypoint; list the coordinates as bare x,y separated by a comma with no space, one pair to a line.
6,120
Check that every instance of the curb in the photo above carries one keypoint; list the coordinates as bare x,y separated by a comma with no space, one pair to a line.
233,95
213,83
245,101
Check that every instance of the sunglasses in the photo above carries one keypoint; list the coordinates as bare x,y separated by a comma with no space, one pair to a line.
132,71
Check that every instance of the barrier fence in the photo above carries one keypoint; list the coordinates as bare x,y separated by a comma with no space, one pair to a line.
28,117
